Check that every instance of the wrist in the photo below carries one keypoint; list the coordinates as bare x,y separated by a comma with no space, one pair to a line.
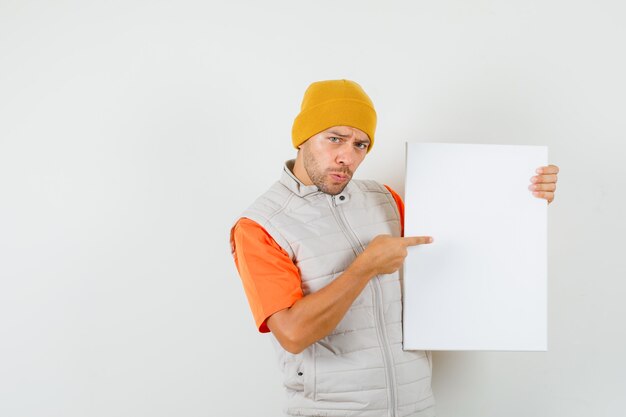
362,269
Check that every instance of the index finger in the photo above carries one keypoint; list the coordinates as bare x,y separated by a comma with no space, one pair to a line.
550,169
417,240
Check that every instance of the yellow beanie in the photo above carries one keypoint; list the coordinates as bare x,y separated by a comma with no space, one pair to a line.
334,103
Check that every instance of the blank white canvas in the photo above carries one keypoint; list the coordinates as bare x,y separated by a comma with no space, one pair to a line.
482,283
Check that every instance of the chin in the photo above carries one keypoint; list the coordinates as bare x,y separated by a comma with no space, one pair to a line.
331,188
335,190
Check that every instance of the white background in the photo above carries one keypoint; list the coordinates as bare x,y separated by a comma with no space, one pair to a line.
133,133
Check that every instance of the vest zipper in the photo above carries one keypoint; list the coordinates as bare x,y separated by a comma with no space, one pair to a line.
377,289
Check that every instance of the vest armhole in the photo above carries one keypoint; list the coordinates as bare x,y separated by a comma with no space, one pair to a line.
271,230
393,203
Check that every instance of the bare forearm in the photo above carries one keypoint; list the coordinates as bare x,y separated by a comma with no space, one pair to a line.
316,315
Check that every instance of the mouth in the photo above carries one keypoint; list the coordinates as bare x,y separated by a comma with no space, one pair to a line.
339,177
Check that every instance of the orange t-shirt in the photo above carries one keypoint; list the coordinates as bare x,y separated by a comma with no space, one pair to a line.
270,279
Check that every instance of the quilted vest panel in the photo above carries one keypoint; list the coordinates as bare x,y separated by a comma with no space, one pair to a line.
359,369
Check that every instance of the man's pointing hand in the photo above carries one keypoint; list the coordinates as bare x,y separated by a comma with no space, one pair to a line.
385,254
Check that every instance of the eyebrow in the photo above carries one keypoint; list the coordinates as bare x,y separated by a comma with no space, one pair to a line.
366,140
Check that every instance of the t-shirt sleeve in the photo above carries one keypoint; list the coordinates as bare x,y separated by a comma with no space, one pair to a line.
270,279
400,205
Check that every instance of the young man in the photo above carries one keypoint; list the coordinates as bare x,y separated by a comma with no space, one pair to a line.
318,256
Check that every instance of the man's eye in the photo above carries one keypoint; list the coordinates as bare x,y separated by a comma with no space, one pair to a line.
334,139
362,145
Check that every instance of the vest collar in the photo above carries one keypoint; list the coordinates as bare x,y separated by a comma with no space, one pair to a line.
289,180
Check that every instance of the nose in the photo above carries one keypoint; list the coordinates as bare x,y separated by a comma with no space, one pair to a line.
346,154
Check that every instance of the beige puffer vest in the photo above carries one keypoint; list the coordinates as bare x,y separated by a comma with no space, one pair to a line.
360,368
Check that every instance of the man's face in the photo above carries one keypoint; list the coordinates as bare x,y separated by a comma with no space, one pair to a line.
331,157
